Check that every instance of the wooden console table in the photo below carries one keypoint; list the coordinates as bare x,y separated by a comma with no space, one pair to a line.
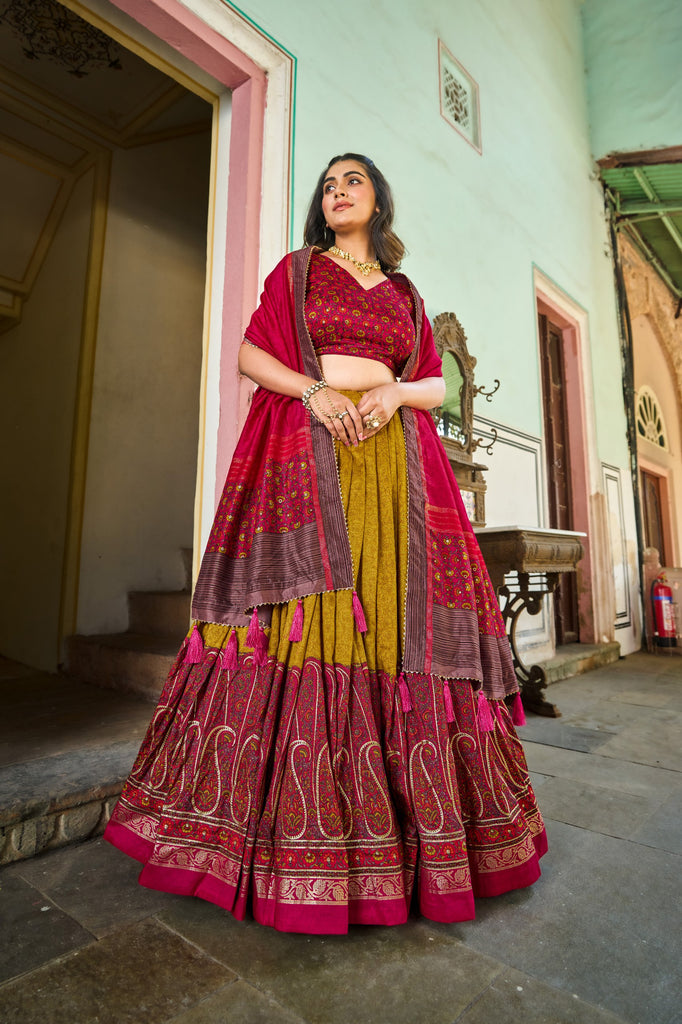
538,557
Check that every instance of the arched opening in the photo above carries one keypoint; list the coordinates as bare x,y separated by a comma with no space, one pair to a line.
105,167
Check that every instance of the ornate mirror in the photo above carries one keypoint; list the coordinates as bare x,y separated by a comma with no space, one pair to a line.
454,419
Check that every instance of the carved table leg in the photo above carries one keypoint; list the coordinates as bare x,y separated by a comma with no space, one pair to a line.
532,679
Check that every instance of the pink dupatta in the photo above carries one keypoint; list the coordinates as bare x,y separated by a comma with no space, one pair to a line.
279,532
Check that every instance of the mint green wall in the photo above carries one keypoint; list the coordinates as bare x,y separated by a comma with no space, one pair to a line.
474,224
633,54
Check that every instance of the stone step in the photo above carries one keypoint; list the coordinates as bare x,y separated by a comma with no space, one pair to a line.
575,659
55,801
65,750
133,662
160,613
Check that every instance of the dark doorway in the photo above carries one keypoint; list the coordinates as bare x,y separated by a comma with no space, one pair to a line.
652,506
558,468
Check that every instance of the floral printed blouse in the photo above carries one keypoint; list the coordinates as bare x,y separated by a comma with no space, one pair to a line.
346,319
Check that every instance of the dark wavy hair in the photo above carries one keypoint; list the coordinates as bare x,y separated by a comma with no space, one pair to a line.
387,246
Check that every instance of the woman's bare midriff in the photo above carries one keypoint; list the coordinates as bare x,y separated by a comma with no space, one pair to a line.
354,373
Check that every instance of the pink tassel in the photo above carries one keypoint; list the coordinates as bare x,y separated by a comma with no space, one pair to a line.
257,639
296,631
486,722
261,652
518,716
231,653
359,614
254,629
405,699
195,648
449,706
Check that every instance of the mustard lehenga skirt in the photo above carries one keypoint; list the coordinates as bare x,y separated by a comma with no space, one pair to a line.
320,788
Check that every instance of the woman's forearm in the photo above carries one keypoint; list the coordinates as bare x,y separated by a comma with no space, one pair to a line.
268,372
422,394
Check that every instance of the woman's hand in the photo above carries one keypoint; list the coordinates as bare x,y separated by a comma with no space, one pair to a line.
380,404
339,416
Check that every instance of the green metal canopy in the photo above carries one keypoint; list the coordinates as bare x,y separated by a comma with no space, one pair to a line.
647,203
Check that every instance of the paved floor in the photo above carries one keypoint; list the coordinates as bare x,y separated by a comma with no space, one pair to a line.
596,940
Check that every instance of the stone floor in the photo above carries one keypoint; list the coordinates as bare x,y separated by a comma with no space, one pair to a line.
596,940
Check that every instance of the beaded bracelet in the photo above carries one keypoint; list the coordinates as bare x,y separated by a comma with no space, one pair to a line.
309,392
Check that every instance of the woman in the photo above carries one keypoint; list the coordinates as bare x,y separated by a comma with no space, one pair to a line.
334,740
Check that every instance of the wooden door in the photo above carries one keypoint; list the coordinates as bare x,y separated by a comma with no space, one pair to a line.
558,469
652,509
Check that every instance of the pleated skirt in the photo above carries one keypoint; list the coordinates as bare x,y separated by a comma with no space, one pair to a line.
309,781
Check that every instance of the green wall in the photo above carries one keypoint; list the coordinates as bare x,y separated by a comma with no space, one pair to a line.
474,224
633,54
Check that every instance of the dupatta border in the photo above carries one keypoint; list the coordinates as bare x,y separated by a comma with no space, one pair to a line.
330,506
417,637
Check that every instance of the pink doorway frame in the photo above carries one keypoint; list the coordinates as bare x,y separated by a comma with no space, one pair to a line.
578,451
186,33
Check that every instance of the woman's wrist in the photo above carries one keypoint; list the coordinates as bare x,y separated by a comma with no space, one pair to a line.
311,390
402,393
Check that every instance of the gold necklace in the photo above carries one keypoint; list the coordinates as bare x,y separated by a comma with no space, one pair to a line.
364,268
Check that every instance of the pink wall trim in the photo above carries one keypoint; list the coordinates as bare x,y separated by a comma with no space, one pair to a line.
189,35
578,455
241,263
216,55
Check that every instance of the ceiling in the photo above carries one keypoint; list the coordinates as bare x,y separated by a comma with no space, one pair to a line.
68,65
647,204
67,93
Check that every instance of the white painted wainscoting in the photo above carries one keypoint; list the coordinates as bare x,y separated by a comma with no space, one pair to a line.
516,494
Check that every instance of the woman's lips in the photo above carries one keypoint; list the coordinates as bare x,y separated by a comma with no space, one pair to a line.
341,206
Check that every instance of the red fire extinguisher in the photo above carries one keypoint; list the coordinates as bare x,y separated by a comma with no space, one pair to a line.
664,618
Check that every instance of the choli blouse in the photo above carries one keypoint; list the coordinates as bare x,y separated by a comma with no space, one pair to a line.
343,318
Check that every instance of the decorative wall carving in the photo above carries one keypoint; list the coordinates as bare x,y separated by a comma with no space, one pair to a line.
458,430
648,296
455,419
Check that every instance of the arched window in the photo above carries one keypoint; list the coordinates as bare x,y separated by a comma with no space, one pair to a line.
650,422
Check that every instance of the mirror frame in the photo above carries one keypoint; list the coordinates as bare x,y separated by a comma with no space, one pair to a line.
449,336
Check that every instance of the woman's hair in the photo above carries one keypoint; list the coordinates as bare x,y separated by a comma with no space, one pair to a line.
387,246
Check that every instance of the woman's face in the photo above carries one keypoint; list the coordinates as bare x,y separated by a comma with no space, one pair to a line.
348,197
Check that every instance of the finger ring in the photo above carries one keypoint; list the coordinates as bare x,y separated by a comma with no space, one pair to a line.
342,414
372,422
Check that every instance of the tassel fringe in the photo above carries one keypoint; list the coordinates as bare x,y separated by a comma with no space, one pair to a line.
486,722
359,614
405,699
518,715
254,629
231,653
296,631
257,638
261,648
449,707
195,648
